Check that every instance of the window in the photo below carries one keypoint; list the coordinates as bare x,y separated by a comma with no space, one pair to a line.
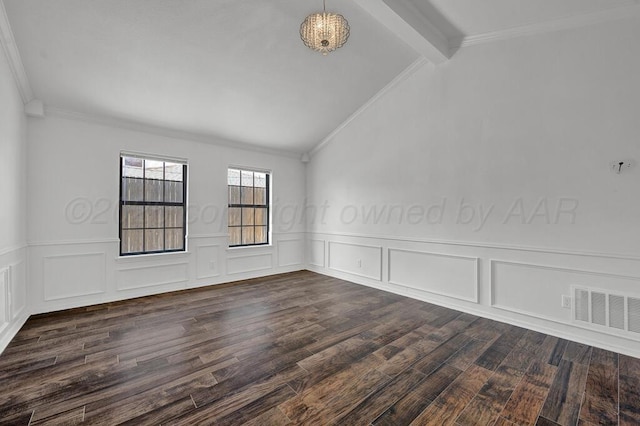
248,207
152,206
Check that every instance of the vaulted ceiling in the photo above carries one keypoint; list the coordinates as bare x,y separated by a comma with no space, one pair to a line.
237,70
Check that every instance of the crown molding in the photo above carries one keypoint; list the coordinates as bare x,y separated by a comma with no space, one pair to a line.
408,72
35,108
570,22
13,57
57,112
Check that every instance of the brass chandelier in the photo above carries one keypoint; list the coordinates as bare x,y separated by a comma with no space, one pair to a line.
324,32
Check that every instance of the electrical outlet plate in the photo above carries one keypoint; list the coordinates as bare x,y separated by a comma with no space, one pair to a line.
566,302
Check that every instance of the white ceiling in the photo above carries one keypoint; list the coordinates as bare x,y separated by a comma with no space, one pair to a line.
235,69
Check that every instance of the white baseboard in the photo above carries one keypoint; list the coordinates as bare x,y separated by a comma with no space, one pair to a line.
13,329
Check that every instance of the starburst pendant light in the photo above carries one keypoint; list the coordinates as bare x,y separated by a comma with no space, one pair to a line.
324,32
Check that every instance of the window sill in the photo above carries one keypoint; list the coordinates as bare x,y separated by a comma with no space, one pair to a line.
152,256
239,248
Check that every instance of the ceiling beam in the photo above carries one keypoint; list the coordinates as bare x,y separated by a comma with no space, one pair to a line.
404,20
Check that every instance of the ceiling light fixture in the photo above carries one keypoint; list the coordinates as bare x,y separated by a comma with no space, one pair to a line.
324,32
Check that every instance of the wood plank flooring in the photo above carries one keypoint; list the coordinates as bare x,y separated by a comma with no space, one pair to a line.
300,349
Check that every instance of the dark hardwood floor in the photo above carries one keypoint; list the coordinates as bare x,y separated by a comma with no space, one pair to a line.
303,348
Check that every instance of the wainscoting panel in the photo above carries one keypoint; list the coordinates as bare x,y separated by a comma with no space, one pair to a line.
74,275
249,263
18,288
519,285
5,298
14,310
207,261
356,259
70,274
316,253
290,252
537,290
447,275
152,275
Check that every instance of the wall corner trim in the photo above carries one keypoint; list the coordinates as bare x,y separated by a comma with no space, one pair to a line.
13,56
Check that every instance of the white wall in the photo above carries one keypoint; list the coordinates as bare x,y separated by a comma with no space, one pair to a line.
13,164
513,132
488,175
73,216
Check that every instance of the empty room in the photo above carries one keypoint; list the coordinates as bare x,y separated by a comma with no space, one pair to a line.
308,212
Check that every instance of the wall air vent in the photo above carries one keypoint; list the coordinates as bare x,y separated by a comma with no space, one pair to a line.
598,308
634,314
601,308
581,308
616,311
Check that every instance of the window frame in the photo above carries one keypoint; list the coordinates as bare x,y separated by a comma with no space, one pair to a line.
123,203
241,206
